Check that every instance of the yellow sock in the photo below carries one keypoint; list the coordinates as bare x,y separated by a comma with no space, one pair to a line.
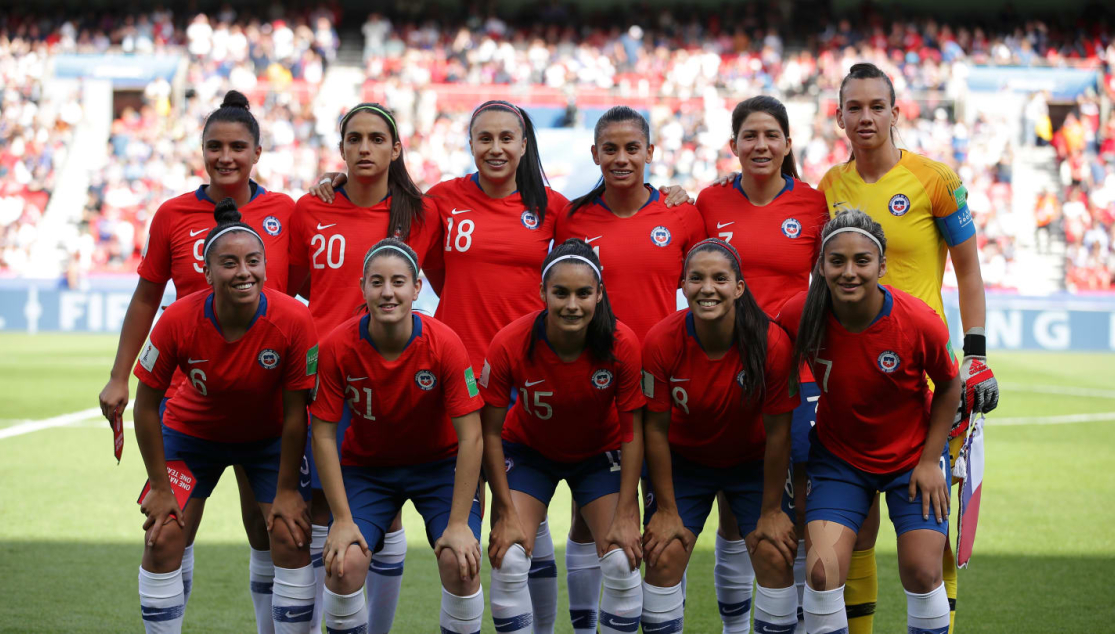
948,573
861,591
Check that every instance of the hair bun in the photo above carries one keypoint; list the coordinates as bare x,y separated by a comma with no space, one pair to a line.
235,99
226,212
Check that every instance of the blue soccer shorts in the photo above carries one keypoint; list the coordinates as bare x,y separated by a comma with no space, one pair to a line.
532,473
805,417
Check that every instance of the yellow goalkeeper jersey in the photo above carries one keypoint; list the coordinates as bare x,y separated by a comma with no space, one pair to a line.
922,207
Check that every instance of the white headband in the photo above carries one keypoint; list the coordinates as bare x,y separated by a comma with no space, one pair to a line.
368,257
213,240
573,257
852,230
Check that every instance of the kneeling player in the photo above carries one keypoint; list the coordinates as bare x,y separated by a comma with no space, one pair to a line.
719,401
879,428
413,433
249,357
577,373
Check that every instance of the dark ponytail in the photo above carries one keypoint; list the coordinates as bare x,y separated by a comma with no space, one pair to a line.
406,198
750,325
774,108
601,335
234,109
227,216
616,114
530,178
814,315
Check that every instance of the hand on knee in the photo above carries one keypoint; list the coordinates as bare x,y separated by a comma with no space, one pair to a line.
285,550
350,577
449,568
771,567
165,554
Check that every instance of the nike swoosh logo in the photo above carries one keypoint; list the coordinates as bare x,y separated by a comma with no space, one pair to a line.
530,383
294,615
360,378
673,380
321,226
589,240
459,211
303,484
191,361
731,611
194,233
656,627
721,225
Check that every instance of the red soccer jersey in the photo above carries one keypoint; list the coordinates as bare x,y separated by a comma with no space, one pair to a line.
565,411
874,406
177,235
401,409
492,252
641,256
178,230
778,243
710,423
331,240
233,390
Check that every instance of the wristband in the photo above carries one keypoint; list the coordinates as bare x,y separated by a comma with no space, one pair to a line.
975,343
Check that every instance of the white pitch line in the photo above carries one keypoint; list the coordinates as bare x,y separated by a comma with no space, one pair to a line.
30,426
1059,389
1051,420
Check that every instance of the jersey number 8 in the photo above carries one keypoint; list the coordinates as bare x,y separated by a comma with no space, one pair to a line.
463,241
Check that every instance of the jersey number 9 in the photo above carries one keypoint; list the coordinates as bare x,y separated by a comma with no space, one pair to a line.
681,399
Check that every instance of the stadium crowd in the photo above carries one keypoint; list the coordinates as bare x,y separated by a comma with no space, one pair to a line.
686,68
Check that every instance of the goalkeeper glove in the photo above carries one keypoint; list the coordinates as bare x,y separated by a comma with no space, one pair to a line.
981,390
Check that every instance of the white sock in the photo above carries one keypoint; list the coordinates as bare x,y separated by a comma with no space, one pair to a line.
824,611
292,601
511,609
461,614
344,613
733,577
187,572
317,545
261,577
776,610
542,581
582,573
928,613
621,603
799,583
384,582
161,601
663,609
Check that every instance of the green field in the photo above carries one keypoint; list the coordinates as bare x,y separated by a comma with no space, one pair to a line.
70,536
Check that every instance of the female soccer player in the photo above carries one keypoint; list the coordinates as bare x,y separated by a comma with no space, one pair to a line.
249,358
577,417
173,252
879,428
922,206
774,220
415,434
641,244
327,241
497,225
719,404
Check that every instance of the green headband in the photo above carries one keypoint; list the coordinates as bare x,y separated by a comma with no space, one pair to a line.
371,254
381,111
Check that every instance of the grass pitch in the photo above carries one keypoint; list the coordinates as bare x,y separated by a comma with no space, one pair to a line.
70,536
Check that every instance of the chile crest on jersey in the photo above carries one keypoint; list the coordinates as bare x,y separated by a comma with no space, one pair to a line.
899,204
529,219
272,226
425,379
601,379
269,359
889,361
791,228
660,236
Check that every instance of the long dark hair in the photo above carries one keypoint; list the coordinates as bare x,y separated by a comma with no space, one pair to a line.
234,109
751,322
406,198
818,301
601,335
866,70
616,114
530,178
227,215
774,108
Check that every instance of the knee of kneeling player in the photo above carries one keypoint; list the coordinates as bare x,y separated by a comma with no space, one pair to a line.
770,564
515,564
921,578
818,577
449,569
169,544
670,566
284,544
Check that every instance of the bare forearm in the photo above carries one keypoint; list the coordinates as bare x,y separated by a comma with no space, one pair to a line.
328,464
657,449
137,323
149,438
776,460
942,412
631,466
494,468
294,439
470,453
